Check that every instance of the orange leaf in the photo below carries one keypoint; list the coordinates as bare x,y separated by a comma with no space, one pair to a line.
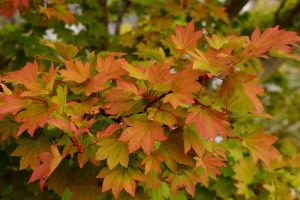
111,67
58,10
184,178
260,146
109,130
211,163
28,76
142,133
152,162
272,38
12,104
76,71
50,161
182,88
208,123
186,37
122,98
173,151
36,115
9,7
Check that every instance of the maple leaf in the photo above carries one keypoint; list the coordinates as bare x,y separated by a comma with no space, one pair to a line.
49,77
271,38
113,150
109,130
18,3
8,7
134,71
111,67
58,10
142,133
213,61
66,51
210,163
186,37
61,178
108,69
157,74
183,178
240,93
75,71
173,151
8,127
28,76
220,13
12,104
152,162
120,178
207,122
182,88
88,153
35,115
193,140
122,98
252,89
153,179
260,146
50,161
245,170
95,84
165,114
29,150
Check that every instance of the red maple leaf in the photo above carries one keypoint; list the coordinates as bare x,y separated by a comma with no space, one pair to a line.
208,123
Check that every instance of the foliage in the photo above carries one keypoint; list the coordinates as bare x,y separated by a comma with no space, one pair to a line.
174,122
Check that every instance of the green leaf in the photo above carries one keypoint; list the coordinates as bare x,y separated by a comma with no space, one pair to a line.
28,150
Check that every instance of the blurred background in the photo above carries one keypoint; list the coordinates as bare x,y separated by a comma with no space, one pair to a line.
138,26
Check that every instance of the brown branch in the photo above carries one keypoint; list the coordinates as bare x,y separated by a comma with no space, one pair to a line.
233,7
